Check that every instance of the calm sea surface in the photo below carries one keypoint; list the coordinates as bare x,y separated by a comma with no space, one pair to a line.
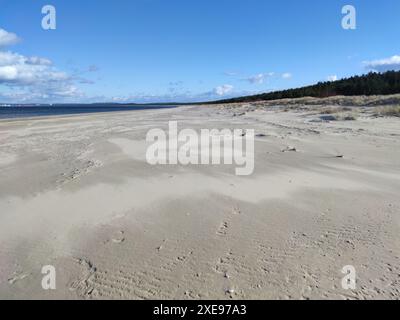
38,111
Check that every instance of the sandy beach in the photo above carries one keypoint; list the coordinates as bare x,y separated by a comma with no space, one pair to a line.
77,193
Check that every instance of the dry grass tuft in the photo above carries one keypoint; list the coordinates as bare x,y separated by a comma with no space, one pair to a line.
333,109
340,116
389,111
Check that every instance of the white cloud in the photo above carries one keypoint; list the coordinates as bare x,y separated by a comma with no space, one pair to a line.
8,73
382,65
257,79
332,78
287,75
223,90
7,38
38,61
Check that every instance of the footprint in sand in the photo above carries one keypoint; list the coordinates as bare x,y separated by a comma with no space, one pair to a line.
236,211
17,277
223,229
161,246
118,238
289,149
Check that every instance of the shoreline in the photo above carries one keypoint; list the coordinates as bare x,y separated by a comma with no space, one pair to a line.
81,114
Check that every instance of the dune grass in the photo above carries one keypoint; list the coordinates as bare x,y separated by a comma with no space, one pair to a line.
389,111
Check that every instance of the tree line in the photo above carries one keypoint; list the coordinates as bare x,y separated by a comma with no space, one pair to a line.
369,84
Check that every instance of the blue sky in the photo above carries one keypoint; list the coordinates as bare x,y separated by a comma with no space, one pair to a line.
187,50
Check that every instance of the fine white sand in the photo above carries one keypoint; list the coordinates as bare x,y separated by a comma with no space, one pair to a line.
77,193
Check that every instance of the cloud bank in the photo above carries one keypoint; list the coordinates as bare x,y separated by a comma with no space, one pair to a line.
382,65
32,78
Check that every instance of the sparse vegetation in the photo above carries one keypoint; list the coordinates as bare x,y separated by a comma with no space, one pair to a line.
332,110
339,117
348,117
388,111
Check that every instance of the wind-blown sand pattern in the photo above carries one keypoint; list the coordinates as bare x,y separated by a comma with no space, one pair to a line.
77,193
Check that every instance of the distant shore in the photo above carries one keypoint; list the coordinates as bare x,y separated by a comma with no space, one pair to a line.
13,112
